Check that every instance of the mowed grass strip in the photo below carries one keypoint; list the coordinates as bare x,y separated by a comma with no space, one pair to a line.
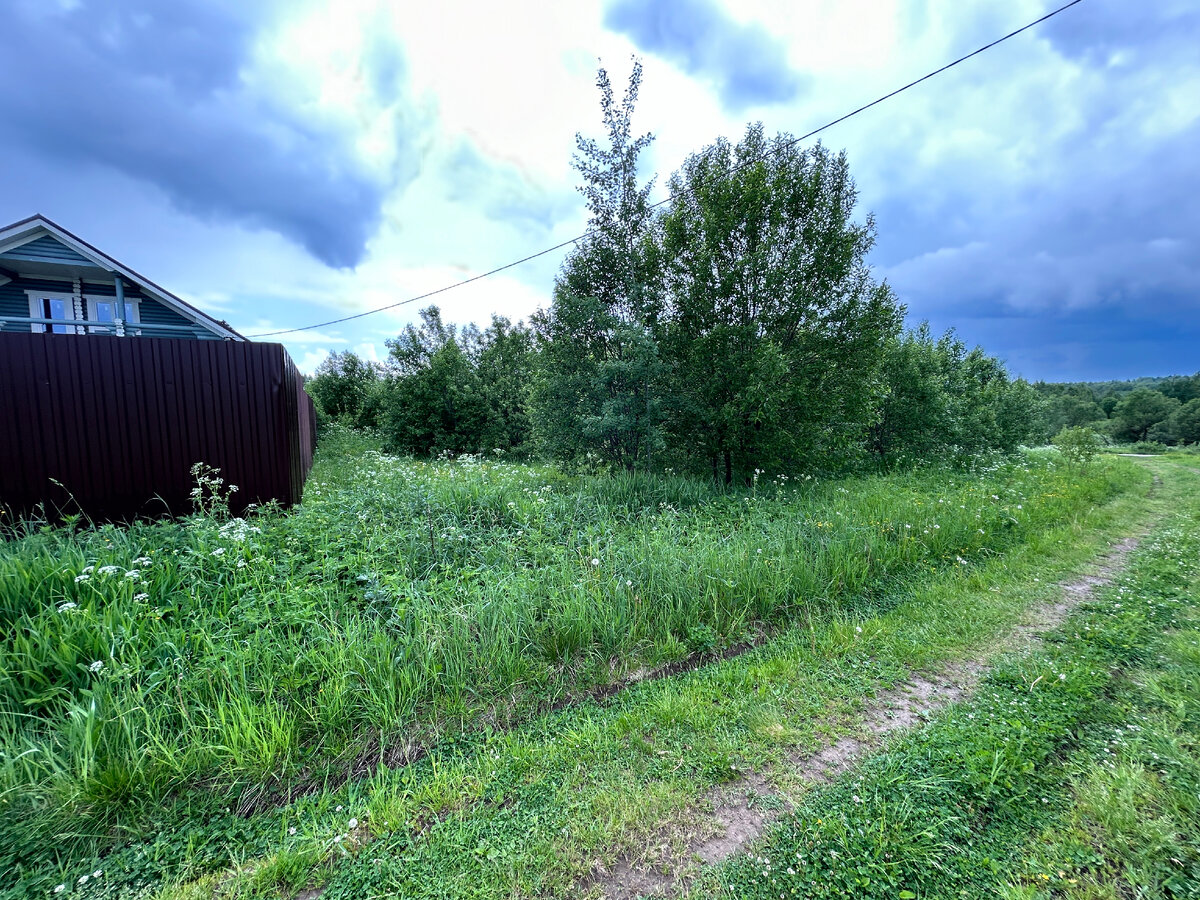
531,811
1072,773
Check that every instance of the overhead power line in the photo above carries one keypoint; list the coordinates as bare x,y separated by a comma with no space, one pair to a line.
578,238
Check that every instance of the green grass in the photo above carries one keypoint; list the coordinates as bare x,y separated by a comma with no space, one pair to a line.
439,606
1090,746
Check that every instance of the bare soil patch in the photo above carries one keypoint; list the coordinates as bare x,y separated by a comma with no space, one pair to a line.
735,814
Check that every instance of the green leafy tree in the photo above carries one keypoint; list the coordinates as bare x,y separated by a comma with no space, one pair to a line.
1068,405
774,328
434,402
1078,445
458,390
1139,411
945,400
915,418
344,386
596,389
1183,388
504,366
1185,422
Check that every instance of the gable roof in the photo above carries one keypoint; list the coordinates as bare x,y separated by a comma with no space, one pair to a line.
39,242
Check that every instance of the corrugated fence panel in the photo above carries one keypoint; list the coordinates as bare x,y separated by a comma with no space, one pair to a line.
111,426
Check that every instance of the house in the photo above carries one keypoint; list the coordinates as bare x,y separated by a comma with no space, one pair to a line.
110,423
52,281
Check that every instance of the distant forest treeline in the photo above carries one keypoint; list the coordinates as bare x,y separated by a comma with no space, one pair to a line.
1161,410
735,330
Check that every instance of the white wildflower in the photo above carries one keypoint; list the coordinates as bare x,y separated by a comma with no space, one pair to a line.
143,561
108,570
353,823
595,562
220,551
96,666
67,606
133,573
142,596
83,577
60,889
292,830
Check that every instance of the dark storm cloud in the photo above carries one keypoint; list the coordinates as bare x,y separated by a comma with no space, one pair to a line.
745,63
154,91
1095,31
1058,227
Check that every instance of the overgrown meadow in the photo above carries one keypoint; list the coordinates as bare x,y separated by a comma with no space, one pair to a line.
405,602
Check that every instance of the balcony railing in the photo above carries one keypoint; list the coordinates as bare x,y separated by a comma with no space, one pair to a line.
117,329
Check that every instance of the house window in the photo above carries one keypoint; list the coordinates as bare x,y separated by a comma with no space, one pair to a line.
100,309
43,305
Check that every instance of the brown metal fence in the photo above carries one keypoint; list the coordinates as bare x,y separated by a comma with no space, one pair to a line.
111,426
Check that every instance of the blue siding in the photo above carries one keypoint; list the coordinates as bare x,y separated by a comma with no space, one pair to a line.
15,302
154,313
47,248
108,289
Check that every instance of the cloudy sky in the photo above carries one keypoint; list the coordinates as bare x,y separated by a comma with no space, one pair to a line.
284,163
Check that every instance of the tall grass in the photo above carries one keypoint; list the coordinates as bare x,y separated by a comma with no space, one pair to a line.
407,598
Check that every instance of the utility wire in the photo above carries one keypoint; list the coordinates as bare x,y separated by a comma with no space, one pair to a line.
792,143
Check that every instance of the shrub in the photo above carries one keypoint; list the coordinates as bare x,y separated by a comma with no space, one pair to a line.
1078,445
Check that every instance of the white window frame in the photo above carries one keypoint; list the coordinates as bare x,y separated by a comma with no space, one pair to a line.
35,310
93,312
